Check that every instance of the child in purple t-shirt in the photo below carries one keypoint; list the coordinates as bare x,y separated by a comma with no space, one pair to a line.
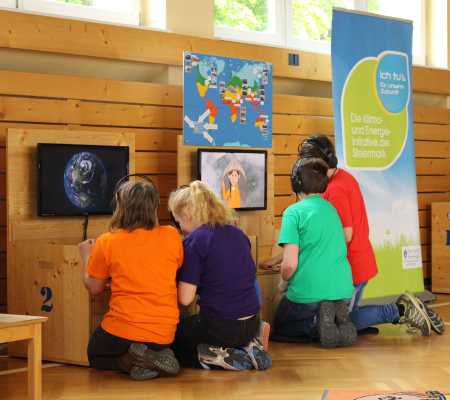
219,268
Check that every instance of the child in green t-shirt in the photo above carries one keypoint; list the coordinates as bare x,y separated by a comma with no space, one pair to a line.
314,264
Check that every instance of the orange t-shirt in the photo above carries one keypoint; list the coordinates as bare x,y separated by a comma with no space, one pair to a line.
142,265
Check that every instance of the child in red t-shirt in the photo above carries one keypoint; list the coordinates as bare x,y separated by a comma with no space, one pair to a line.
139,260
344,193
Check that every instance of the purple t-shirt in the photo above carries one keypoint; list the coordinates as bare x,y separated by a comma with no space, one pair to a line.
218,260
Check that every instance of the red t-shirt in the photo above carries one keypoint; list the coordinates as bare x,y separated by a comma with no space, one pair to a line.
344,193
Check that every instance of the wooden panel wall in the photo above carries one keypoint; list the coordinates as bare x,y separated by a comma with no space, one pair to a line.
153,112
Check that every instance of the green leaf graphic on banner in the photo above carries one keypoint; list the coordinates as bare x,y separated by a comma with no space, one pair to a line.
373,137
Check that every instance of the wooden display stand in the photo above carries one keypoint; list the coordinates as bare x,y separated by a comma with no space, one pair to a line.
440,247
45,272
256,224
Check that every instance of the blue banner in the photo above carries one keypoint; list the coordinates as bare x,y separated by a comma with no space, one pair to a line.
371,60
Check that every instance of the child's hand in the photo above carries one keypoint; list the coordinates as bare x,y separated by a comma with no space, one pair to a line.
266,264
270,264
85,249
282,286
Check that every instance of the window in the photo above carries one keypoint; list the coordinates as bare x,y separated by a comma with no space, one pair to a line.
119,11
156,11
309,23
8,3
406,9
250,20
306,24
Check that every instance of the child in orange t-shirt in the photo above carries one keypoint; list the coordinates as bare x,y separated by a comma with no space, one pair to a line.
139,259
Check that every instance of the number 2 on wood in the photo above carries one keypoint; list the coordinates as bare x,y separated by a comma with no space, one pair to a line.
47,293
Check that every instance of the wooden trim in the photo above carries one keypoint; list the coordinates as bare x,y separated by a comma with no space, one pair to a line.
303,105
431,132
432,115
24,31
437,166
431,80
94,89
88,113
292,114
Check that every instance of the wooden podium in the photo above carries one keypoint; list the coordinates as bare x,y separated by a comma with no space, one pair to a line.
440,247
45,272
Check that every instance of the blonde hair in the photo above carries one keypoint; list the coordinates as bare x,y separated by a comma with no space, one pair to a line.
135,206
200,204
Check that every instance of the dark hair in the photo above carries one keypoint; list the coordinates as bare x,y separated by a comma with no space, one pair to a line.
311,175
136,204
319,146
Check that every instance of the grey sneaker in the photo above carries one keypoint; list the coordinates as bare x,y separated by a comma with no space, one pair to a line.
436,322
415,317
258,356
142,374
328,331
162,361
227,358
347,331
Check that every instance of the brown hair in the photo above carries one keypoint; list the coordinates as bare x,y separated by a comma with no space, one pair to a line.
312,173
136,204
201,204
319,146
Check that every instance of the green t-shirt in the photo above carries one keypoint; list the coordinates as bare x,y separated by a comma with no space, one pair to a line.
323,272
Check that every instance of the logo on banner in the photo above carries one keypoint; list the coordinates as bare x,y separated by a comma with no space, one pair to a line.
375,111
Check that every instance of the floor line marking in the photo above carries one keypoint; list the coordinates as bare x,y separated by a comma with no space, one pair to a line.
437,305
17,370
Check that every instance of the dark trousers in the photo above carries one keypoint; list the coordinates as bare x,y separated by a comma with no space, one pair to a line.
198,329
104,349
296,320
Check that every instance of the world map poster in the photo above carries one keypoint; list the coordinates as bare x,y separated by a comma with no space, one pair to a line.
227,101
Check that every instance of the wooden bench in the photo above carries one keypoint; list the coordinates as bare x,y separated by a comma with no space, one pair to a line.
24,327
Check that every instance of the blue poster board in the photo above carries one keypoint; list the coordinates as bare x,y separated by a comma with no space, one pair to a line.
226,101
371,59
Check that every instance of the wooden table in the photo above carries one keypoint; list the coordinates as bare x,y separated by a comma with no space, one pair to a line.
24,327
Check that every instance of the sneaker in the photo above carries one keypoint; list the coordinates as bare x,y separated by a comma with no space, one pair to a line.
264,333
162,361
415,318
347,331
436,322
328,331
227,358
259,357
142,374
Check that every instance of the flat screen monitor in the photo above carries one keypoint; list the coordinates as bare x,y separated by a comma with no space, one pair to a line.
78,179
239,177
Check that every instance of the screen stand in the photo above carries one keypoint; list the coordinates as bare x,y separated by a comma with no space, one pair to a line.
85,226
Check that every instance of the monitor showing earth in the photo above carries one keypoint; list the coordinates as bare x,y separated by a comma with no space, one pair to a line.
78,179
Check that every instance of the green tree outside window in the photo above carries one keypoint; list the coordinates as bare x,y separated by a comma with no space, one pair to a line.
311,19
242,14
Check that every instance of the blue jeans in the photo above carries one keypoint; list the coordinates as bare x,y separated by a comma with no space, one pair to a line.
373,314
296,320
